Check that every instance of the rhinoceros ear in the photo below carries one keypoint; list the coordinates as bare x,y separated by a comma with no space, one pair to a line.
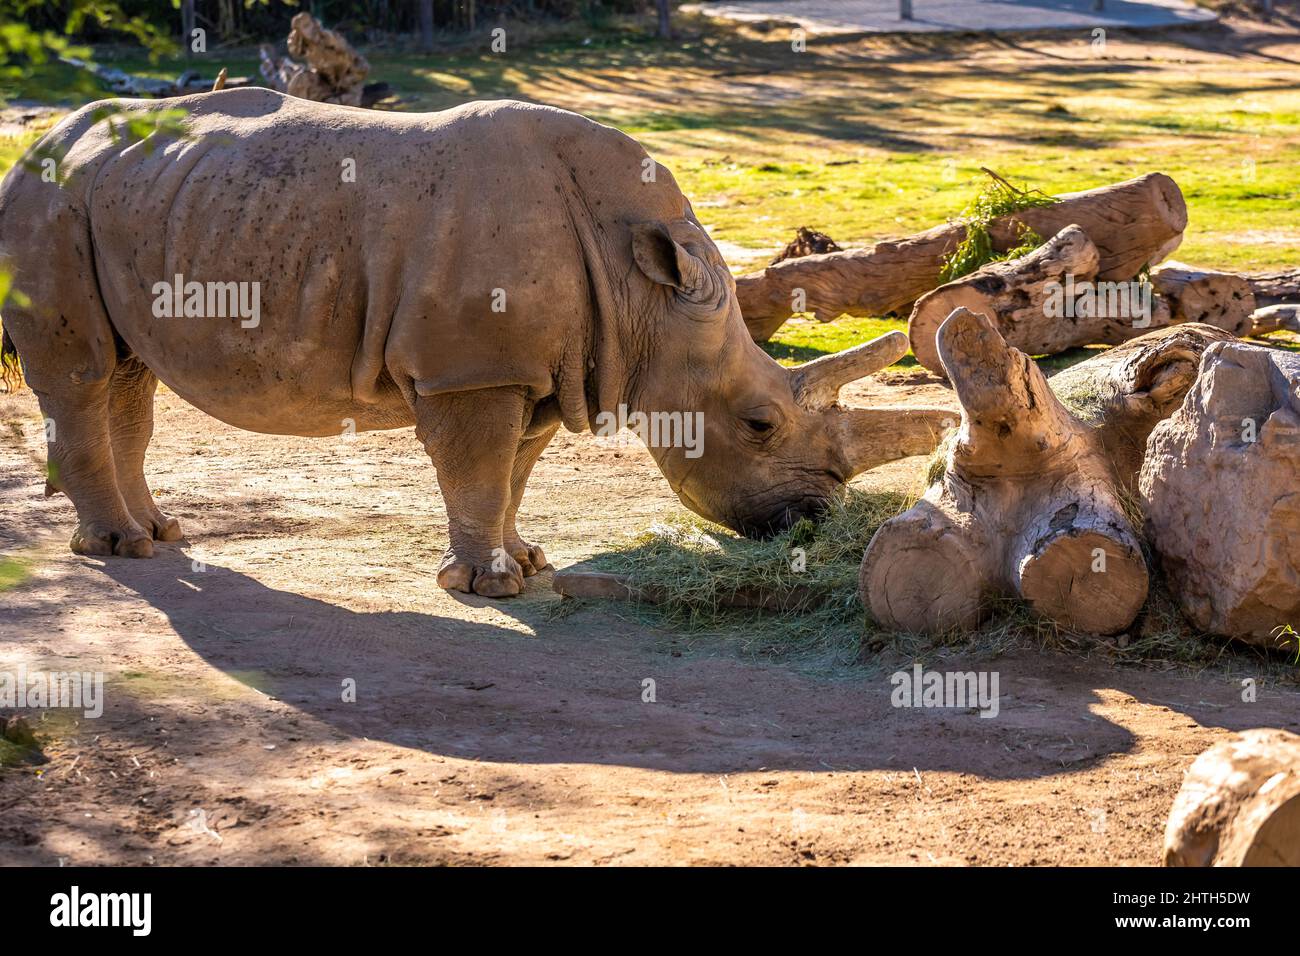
667,261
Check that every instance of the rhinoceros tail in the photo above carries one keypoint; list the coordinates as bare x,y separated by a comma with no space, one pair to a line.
11,370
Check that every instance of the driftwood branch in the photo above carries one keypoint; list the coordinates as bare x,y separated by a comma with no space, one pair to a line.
1276,288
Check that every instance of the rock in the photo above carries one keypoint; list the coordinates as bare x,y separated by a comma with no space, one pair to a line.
18,732
1221,496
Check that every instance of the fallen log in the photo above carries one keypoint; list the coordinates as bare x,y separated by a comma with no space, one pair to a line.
1046,301
1239,804
1221,299
333,72
1031,503
1133,224
1219,491
1275,318
1276,288
121,83
1017,295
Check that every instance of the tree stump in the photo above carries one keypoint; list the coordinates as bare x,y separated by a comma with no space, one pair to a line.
1219,487
1033,500
807,242
1133,224
1239,804
333,72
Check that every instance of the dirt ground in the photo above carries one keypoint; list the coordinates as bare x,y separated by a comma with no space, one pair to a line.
504,733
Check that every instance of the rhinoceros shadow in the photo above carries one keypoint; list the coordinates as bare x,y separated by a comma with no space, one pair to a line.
574,690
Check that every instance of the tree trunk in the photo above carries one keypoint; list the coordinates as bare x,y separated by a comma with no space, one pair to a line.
187,26
426,26
665,19
1133,224
1239,804
1032,500
1220,495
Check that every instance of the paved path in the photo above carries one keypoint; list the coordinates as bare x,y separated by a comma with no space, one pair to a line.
882,16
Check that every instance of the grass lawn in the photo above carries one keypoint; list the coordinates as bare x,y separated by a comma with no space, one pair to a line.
877,138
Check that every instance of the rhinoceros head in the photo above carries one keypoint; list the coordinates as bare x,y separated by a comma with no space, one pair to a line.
774,443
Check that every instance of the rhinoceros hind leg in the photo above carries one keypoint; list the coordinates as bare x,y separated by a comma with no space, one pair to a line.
81,466
472,439
531,557
130,419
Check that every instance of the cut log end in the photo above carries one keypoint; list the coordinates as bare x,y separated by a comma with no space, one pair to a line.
1086,581
905,559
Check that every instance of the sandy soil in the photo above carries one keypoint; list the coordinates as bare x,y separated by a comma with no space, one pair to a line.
502,733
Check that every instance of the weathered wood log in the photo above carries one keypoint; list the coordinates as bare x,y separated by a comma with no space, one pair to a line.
1221,299
1046,301
1032,500
1221,499
1239,804
1133,224
333,72
1275,318
1018,296
1275,288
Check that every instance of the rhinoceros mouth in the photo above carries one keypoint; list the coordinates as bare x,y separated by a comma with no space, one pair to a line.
782,519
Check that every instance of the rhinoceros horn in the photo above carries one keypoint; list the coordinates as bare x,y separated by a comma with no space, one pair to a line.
869,436
873,436
817,383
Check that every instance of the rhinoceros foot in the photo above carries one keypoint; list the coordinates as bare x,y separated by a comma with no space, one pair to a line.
160,526
531,557
101,540
501,577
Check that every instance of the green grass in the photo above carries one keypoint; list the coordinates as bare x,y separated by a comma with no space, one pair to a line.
695,566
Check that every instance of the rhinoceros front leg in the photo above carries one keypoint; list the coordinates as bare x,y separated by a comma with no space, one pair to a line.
530,556
472,439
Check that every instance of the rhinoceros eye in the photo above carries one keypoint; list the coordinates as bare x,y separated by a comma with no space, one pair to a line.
759,425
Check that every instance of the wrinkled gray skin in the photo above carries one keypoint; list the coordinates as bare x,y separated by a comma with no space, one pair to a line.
376,307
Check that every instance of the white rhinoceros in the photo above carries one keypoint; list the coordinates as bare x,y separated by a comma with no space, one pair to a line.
486,274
